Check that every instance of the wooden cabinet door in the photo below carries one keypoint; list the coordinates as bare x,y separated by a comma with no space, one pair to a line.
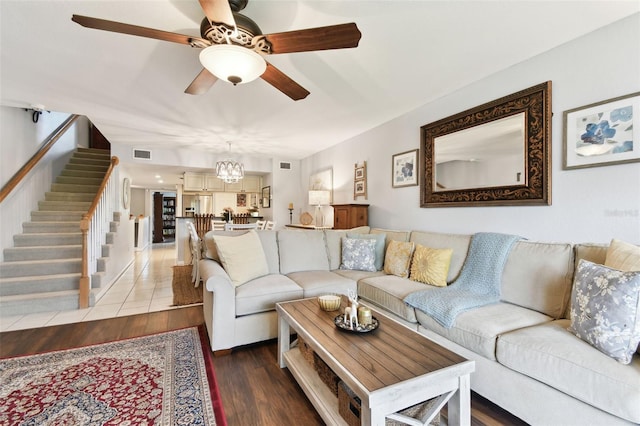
193,182
341,218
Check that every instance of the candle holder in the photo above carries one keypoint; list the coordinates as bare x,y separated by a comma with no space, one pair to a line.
290,216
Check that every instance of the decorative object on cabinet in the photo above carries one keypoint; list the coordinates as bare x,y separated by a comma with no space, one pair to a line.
290,208
126,193
602,133
306,218
404,169
360,180
266,197
319,198
228,170
460,164
347,216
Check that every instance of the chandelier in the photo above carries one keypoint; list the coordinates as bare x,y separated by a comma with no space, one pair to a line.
229,171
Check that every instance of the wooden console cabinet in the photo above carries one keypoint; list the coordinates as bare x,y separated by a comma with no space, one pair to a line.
347,216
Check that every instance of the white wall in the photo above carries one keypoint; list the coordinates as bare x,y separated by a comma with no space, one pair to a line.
286,188
593,204
20,139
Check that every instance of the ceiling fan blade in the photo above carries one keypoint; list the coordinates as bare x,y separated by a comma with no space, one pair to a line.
119,27
219,12
284,83
322,38
201,83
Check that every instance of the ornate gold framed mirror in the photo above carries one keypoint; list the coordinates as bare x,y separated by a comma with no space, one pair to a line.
495,154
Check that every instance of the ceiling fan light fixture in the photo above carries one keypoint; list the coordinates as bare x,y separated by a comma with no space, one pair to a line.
232,63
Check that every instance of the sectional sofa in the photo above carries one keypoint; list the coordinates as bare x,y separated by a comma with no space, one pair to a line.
528,359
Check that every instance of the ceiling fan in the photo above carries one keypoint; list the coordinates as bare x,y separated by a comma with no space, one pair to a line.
234,46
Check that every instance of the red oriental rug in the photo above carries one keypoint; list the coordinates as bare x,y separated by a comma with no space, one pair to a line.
162,379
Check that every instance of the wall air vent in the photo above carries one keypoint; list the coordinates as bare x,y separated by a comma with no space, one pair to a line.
284,165
142,154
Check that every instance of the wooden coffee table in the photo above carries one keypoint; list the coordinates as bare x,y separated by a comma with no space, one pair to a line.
389,369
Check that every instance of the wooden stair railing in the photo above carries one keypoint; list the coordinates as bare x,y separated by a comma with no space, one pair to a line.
29,165
98,214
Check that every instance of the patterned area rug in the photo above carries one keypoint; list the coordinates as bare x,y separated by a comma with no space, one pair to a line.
162,379
184,291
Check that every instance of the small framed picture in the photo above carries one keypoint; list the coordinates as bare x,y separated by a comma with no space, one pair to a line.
603,133
359,173
360,188
404,170
266,197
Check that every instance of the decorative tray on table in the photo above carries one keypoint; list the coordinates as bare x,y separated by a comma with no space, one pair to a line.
339,322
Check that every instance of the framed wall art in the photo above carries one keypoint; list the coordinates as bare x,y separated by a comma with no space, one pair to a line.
360,189
266,197
603,133
360,180
404,169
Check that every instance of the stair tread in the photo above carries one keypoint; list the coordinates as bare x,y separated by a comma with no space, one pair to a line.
41,295
38,277
31,262
57,246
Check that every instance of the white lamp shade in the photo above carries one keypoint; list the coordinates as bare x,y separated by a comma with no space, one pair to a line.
235,64
319,198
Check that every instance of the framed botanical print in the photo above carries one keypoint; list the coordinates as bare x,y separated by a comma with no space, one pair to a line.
404,170
603,133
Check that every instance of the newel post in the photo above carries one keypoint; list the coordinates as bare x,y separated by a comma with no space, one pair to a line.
85,283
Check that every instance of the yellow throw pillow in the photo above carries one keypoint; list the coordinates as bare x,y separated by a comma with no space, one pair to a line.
398,258
242,257
623,256
430,265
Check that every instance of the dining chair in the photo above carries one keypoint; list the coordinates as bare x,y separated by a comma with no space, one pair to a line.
239,226
260,224
195,244
218,225
270,225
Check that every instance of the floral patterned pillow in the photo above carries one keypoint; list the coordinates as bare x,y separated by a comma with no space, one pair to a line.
605,309
398,258
358,254
431,265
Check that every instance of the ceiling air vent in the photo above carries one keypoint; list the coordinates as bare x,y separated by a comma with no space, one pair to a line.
142,154
285,165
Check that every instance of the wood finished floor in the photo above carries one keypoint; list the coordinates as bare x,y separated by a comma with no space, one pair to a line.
255,391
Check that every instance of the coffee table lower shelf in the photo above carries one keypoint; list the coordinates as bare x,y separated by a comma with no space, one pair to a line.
324,401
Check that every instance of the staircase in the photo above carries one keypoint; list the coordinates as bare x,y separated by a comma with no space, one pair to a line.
42,271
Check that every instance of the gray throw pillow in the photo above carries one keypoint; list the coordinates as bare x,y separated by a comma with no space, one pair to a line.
358,254
380,246
605,309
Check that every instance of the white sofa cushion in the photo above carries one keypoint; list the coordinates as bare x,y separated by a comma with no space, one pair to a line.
388,291
242,257
538,276
357,275
302,251
333,240
317,283
270,247
459,243
263,293
551,354
479,328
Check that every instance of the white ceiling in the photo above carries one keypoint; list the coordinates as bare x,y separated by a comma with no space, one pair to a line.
411,52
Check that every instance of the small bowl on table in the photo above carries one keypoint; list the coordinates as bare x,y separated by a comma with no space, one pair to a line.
329,302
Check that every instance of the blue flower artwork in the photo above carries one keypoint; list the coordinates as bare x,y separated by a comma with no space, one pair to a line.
606,132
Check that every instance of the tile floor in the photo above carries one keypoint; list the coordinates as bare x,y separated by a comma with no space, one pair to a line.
145,286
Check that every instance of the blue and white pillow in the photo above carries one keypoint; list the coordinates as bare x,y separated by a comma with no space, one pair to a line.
358,254
605,309
380,240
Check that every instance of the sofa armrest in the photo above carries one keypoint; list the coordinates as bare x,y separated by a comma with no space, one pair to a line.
219,304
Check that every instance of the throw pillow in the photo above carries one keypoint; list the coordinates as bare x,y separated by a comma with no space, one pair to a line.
605,309
623,256
358,254
431,265
398,258
242,257
380,244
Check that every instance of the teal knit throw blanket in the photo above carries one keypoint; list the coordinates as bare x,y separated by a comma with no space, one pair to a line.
477,285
